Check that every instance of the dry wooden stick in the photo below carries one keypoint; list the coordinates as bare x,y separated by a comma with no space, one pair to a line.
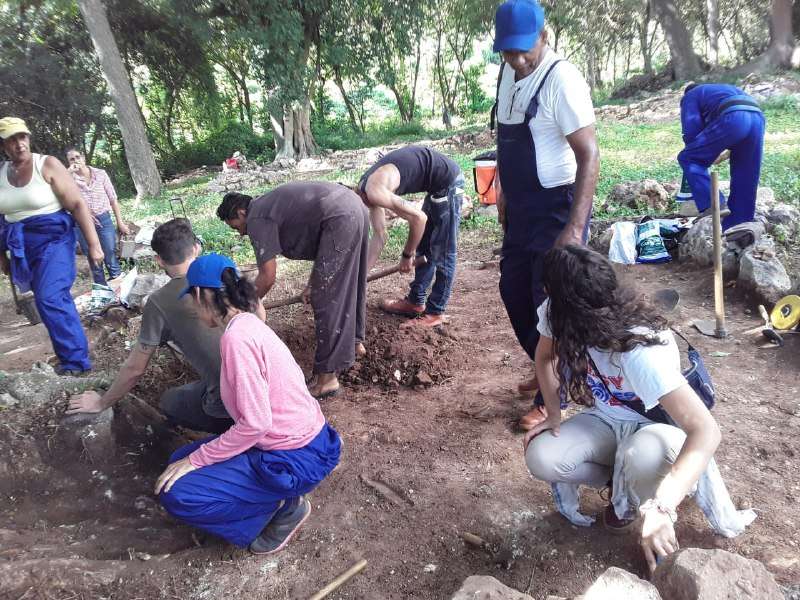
380,273
340,580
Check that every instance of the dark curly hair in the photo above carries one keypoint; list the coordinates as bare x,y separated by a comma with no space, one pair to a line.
590,308
231,203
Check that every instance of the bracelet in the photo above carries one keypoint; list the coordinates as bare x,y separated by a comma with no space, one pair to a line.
406,255
655,503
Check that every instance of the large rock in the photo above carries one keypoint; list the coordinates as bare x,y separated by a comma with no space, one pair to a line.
762,272
698,243
697,574
785,218
602,242
618,583
89,435
146,284
645,194
482,587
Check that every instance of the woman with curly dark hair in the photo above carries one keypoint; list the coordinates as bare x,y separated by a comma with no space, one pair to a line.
607,349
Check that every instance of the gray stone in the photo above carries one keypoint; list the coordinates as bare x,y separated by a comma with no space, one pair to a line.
146,284
618,583
482,587
698,244
645,194
786,217
7,400
89,435
762,272
698,574
602,242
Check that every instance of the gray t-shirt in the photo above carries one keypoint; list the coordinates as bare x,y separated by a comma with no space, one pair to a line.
289,219
169,318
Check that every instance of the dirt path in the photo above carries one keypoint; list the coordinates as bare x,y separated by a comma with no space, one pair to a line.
420,466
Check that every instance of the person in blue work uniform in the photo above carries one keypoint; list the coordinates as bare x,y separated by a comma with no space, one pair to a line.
716,117
547,162
39,207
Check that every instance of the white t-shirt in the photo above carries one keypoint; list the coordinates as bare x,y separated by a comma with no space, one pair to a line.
646,373
565,105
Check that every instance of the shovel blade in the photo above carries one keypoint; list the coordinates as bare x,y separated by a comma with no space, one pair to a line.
706,327
667,299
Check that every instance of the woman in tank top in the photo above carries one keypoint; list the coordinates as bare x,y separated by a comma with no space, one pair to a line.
39,205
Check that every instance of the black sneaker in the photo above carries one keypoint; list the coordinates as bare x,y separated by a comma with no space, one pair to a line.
282,527
614,524
63,372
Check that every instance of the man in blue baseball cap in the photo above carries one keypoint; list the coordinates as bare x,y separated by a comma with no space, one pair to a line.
547,163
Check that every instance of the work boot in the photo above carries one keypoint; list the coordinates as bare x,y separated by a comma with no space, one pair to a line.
282,527
403,307
614,524
426,320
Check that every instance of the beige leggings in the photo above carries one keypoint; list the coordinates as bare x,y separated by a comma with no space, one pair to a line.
584,451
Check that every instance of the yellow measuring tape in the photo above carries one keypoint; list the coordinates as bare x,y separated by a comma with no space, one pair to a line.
786,314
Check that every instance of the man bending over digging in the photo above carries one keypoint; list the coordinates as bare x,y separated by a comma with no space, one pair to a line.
168,318
432,231
326,223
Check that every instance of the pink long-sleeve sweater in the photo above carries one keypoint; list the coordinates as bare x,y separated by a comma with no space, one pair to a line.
264,392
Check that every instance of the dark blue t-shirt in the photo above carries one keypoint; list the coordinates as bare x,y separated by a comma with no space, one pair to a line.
421,170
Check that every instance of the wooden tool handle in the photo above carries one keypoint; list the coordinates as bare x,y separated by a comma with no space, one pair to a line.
719,288
380,273
340,580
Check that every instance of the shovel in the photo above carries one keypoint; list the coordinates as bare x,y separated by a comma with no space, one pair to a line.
666,300
769,331
379,274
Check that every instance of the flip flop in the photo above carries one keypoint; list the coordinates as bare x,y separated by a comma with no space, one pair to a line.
329,394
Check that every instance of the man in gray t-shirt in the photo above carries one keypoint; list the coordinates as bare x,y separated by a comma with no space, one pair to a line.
168,318
327,223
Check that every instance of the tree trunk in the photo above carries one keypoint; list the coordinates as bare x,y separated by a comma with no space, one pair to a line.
141,161
351,112
781,43
781,50
293,137
685,62
712,27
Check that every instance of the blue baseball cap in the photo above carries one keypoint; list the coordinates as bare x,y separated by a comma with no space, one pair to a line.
517,24
206,271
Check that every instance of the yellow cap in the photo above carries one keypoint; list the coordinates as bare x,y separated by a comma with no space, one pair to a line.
11,126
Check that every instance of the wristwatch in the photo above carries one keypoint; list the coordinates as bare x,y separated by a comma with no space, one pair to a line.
406,255
655,503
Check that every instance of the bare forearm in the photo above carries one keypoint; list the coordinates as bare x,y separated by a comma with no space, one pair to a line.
125,381
416,228
548,380
117,214
263,284
374,251
692,460
585,186
80,212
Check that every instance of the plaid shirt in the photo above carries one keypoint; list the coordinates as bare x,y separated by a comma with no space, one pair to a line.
98,193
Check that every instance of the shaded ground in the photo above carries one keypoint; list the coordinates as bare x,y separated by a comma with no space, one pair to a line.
421,465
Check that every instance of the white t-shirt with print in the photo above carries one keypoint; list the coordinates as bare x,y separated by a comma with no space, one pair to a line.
646,372
565,105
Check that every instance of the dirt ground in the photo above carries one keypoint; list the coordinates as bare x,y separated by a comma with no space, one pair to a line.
430,452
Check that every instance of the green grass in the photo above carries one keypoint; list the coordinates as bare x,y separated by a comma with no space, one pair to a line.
628,152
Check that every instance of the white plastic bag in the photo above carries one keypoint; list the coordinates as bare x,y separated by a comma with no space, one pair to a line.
623,243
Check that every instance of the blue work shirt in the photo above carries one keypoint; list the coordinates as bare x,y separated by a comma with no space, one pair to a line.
700,106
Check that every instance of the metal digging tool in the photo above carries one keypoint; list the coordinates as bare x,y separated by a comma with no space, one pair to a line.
379,274
769,331
667,299
25,306
715,328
